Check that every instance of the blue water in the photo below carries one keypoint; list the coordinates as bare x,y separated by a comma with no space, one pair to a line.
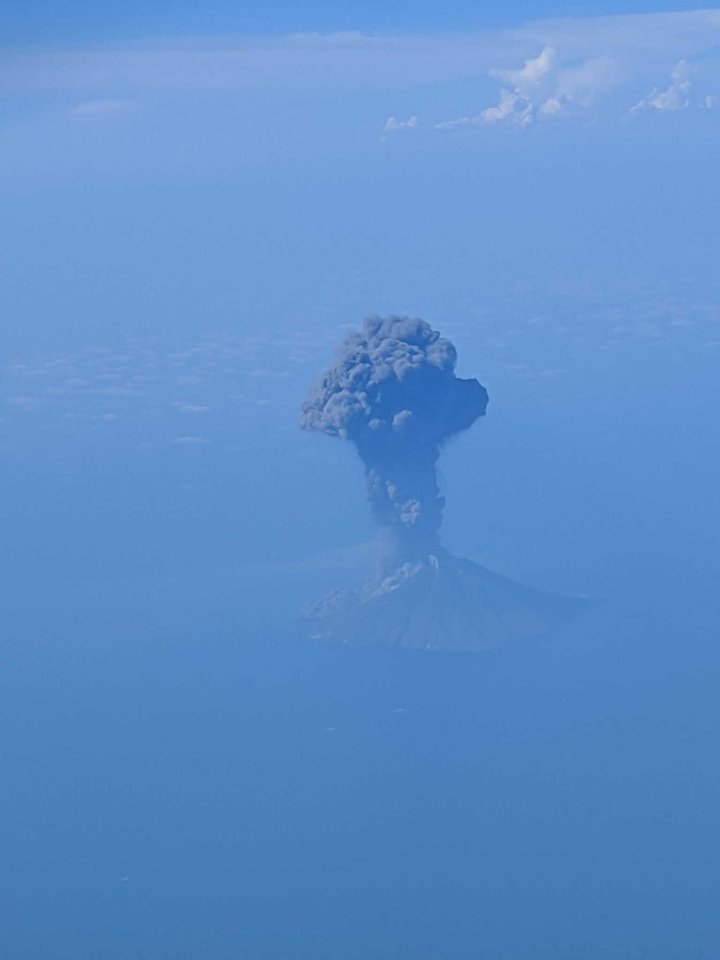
257,797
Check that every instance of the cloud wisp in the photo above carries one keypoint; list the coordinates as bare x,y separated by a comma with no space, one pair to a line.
108,107
393,125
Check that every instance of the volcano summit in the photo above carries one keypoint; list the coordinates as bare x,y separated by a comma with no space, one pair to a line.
394,394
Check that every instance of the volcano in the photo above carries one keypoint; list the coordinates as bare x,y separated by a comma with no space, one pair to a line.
394,394
439,602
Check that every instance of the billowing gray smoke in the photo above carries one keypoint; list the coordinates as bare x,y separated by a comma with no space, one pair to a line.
393,392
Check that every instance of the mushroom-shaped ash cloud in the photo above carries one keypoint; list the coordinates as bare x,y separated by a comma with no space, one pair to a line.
393,392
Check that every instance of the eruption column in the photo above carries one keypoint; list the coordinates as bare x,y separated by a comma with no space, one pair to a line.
393,392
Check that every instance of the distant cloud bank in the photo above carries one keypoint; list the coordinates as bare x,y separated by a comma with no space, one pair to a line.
541,71
555,83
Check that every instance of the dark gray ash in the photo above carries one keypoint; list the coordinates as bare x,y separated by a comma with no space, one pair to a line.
393,392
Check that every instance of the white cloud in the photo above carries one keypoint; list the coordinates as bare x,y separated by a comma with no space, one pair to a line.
102,108
544,87
531,75
192,408
392,124
674,97
712,102
457,122
190,441
552,105
515,105
580,83
510,106
529,88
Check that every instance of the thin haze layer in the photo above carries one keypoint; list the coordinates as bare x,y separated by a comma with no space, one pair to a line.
393,392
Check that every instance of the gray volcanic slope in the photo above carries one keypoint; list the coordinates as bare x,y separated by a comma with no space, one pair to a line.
439,602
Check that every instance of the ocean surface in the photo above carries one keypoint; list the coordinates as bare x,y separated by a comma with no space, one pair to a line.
240,793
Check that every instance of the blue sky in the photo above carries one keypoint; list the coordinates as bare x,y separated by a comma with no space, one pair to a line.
83,20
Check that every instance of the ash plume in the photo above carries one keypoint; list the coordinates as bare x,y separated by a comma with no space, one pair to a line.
394,394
